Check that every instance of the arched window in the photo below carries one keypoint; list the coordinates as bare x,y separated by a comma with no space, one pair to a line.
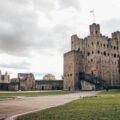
88,54
97,43
92,43
104,53
98,52
114,47
115,55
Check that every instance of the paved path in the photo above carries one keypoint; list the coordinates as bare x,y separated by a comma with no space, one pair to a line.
22,105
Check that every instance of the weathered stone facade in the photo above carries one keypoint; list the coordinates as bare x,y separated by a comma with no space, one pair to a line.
4,78
26,81
49,84
95,55
14,84
4,81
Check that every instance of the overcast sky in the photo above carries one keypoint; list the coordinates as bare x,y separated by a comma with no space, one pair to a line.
34,34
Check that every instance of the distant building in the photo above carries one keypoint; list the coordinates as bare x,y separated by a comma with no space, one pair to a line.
49,84
4,81
14,84
26,81
4,78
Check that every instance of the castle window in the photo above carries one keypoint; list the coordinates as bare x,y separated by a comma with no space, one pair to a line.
88,53
104,45
107,45
114,47
97,43
92,52
92,43
115,55
104,53
98,52
108,54
91,60
111,46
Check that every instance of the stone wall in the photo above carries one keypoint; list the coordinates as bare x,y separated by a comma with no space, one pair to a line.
27,81
49,84
87,86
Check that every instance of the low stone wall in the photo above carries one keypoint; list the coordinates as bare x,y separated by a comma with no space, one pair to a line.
87,86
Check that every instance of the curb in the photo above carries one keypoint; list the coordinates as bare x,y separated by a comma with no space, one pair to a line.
15,116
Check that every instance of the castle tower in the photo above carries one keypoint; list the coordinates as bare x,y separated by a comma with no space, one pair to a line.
116,37
95,29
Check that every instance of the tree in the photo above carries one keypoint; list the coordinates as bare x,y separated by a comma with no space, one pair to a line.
49,77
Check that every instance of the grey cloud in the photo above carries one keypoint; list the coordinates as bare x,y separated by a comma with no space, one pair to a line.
44,5
69,3
111,26
21,65
19,30
16,28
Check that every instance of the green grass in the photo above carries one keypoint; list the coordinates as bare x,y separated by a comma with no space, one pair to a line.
106,106
110,92
30,94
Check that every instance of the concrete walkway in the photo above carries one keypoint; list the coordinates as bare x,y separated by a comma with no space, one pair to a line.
21,105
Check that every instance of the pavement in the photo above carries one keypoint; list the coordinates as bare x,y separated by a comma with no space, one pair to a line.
10,109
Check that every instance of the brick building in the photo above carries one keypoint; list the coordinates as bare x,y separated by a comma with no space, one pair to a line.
93,61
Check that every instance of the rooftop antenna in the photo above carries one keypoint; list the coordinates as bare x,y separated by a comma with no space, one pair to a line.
93,13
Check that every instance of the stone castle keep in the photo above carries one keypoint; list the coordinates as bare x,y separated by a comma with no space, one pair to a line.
93,61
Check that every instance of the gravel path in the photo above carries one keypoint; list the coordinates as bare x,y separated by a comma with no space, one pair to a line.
22,105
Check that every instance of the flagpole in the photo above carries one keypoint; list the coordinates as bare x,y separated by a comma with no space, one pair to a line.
93,13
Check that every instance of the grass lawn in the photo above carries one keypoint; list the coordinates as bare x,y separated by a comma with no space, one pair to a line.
31,93
106,106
